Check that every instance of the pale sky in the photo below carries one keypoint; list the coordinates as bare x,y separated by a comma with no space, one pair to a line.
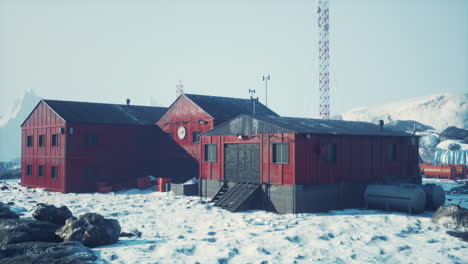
109,50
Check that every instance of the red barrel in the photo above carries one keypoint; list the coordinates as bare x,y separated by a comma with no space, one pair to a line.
462,171
101,184
105,189
162,184
440,171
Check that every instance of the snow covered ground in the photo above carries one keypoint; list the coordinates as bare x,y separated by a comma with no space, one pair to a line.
184,230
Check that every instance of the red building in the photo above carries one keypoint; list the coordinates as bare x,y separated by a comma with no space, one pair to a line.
191,115
303,165
69,146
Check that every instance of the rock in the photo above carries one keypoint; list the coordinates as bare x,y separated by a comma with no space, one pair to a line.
18,230
454,133
6,213
50,213
91,229
427,154
460,189
452,216
3,188
462,235
454,146
46,252
133,233
428,141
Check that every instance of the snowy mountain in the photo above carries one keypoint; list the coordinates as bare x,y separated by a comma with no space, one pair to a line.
10,130
438,111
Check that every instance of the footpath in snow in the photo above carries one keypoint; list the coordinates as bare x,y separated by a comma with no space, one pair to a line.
187,230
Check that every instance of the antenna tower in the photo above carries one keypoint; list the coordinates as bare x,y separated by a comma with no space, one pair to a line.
179,88
324,59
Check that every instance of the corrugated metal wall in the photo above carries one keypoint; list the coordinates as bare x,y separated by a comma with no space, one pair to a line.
269,172
359,158
43,121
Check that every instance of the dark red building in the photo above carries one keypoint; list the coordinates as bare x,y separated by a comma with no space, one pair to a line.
69,146
191,115
303,165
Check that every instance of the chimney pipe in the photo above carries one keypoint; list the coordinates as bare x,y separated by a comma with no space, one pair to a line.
381,124
128,101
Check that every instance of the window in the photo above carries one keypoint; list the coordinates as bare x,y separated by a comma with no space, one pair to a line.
328,151
41,140
210,152
90,140
54,140
41,171
29,170
196,136
29,140
280,153
53,172
391,152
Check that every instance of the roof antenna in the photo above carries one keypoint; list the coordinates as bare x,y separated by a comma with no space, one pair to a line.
252,92
179,89
128,101
266,79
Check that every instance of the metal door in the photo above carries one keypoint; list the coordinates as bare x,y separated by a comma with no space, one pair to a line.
242,162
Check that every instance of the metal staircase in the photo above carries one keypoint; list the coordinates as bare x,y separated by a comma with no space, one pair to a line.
220,193
237,198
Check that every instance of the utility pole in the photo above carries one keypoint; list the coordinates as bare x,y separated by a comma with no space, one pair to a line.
266,79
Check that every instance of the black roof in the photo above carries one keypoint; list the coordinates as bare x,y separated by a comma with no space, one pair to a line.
100,113
247,124
226,108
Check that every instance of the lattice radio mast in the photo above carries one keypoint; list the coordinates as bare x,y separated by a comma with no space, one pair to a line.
324,59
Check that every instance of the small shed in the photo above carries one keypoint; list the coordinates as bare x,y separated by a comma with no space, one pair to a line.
305,165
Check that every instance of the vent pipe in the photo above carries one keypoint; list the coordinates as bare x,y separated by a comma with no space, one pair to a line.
252,92
128,101
381,124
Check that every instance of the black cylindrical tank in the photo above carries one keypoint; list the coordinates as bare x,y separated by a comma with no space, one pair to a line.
406,198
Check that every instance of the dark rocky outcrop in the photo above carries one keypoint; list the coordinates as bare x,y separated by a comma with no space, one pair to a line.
45,252
133,233
50,213
6,213
452,216
454,146
18,230
454,133
462,235
91,229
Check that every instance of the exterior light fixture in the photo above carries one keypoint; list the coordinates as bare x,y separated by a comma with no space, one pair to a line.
239,136
201,121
